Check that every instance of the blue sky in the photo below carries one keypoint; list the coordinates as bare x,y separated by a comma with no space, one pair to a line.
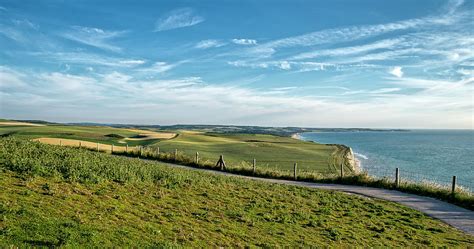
368,63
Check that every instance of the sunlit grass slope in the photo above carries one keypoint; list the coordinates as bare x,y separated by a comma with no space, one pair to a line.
101,134
59,196
271,152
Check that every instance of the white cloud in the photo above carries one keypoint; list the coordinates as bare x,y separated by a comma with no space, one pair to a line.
179,18
396,71
344,51
284,65
94,37
12,34
244,41
116,95
386,90
132,62
204,44
25,23
11,78
159,67
466,72
87,59
347,34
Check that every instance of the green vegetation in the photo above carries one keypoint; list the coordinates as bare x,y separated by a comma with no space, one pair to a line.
101,134
271,152
275,155
61,196
461,197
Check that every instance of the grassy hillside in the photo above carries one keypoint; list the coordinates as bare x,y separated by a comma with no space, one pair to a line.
59,196
271,152
102,134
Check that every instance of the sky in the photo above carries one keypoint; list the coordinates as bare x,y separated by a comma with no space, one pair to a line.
366,63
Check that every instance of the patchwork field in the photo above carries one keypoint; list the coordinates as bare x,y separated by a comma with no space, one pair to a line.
271,152
101,134
61,196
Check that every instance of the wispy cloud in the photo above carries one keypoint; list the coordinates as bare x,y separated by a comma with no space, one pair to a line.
159,67
25,23
12,34
85,59
94,37
244,41
132,62
139,100
347,34
211,43
344,51
178,18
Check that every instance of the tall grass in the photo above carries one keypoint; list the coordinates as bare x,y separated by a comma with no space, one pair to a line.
72,164
461,197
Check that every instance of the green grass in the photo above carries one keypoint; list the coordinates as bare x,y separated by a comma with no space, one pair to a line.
57,196
271,152
99,134
275,156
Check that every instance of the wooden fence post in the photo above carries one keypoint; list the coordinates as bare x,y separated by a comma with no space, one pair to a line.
221,163
97,147
295,169
453,188
80,144
397,177
112,149
60,142
126,148
175,154
158,151
197,157
141,150
342,170
254,165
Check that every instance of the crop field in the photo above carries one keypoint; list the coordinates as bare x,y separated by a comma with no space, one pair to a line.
62,196
239,150
101,134
268,150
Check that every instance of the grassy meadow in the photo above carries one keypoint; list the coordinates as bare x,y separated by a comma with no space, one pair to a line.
271,152
62,196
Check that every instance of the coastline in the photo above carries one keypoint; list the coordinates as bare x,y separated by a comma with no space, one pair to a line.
349,156
296,136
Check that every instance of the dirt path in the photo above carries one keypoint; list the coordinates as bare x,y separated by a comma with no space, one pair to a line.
84,144
453,215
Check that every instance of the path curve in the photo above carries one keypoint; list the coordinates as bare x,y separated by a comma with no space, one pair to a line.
460,218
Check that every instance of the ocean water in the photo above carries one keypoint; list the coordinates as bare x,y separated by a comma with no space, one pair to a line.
434,155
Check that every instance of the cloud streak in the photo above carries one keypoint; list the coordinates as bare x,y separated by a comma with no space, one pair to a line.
352,33
245,42
94,37
140,99
211,43
179,18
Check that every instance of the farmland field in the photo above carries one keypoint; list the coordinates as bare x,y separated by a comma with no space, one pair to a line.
272,152
62,196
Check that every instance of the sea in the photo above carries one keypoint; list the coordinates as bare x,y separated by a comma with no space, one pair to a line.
425,155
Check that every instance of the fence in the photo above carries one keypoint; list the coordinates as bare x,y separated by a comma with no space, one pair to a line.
400,176
295,169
